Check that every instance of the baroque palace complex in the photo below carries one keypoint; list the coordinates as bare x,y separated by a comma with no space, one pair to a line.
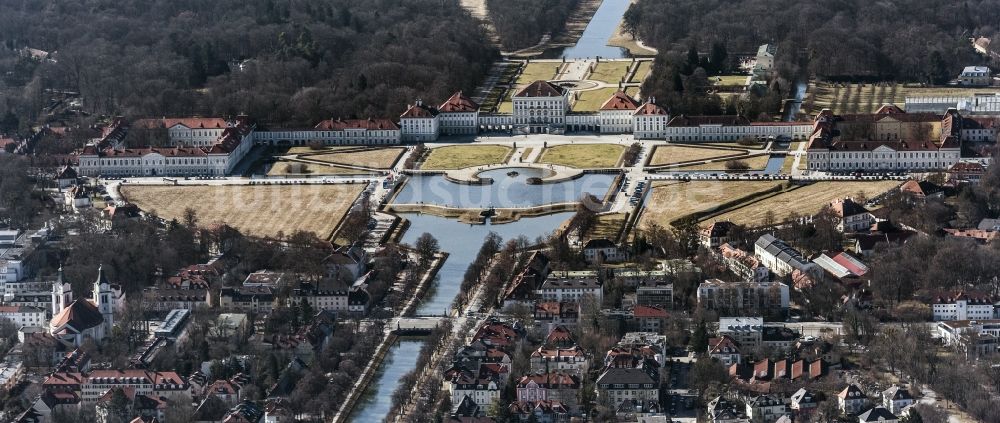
889,140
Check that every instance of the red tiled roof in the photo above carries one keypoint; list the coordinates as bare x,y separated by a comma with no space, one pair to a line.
419,111
458,103
649,109
620,101
191,123
370,124
541,89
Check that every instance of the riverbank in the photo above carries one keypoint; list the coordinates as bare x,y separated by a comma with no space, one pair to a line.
634,46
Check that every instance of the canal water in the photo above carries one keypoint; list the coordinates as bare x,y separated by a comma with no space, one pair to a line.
505,191
462,242
401,359
594,41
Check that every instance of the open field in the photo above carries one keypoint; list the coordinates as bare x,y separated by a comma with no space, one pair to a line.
670,154
729,80
608,226
463,156
755,146
610,72
583,156
591,101
674,199
254,210
288,168
867,98
376,158
507,104
755,163
786,165
806,201
645,67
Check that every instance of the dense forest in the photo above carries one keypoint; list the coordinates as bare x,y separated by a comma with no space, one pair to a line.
522,23
908,40
283,62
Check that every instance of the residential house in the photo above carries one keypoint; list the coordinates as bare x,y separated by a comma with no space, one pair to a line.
842,266
779,338
895,399
716,234
852,400
650,318
978,76
547,411
725,350
551,386
778,256
803,401
980,337
878,414
22,316
552,314
570,360
618,384
921,190
743,298
247,299
851,216
569,289
721,410
602,250
744,264
765,408
968,172
66,177
746,331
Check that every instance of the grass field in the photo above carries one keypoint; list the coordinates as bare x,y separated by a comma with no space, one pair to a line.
645,67
507,105
583,156
285,168
610,72
670,154
462,156
755,162
866,98
786,165
591,101
755,146
805,201
254,210
674,199
377,158
537,71
608,226
729,80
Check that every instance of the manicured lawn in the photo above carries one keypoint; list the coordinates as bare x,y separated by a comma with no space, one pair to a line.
254,210
729,80
610,72
755,162
786,165
671,200
507,105
755,146
462,156
591,101
645,67
805,201
377,158
670,154
537,71
583,156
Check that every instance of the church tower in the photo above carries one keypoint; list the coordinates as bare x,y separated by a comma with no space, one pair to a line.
104,299
62,294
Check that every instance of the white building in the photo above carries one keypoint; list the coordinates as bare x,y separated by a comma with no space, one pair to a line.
888,140
76,320
782,259
725,350
573,290
751,298
541,108
896,399
458,115
766,408
650,121
21,316
616,114
329,132
960,333
963,306
419,123
219,158
975,76
732,128
616,385
975,104
852,217
746,331
602,250
192,132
